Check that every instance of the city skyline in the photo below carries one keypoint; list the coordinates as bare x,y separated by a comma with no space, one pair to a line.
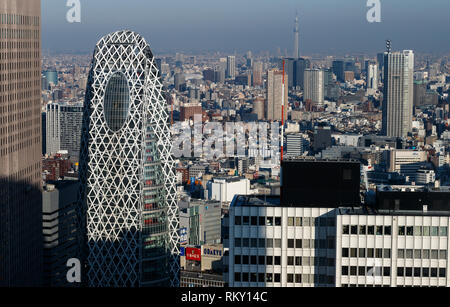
238,27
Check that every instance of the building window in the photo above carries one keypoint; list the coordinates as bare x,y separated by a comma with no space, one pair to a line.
290,243
298,278
370,230
387,253
262,242
353,252
387,230
290,260
353,271
277,277
442,254
443,231
362,229
245,220
262,221
237,220
261,277
379,230
245,242
277,243
253,277
426,230
417,230
345,270
345,230
408,272
409,231
416,272
254,242
277,221
269,277
269,243
253,260
354,230
426,254
434,230
361,271
400,271
409,254
362,252
290,221
434,254
425,272
237,277
417,254
401,253
379,253
245,277
386,271
237,259
254,220
269,260
442,272
298,243
401,230
277,260
270,221
298,221
433,272
370,253
261,260
237,242
245,259
290,278
298,260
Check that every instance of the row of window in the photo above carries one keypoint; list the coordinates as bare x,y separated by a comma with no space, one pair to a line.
366,230
402,230
276,221
422,254
276,277
421,272
366,252
291,260
292,243
422,230
386,271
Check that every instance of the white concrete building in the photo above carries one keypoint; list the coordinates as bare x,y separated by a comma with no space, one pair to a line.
224,189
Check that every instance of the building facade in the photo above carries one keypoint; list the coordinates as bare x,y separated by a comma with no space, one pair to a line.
314,85
21,242
274,99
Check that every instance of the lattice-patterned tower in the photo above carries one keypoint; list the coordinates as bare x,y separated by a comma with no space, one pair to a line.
126,169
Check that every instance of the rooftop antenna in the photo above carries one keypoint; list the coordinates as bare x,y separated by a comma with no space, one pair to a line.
388,46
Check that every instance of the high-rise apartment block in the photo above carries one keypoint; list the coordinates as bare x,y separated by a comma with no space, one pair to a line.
275,95
314,85
398,93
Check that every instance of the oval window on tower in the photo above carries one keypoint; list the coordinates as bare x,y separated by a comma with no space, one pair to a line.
116,101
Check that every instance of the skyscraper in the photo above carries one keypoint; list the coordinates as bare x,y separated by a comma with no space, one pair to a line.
372,77
257,74
126,169
274,95
63,131
21,241
314,85
296,39
338,70
398,93
231,66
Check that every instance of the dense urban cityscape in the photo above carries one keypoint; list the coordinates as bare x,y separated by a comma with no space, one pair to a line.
125,168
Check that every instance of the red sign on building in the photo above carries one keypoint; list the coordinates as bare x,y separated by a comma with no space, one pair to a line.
193,254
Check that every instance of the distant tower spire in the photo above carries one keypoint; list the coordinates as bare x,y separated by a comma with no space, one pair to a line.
388,46
296,37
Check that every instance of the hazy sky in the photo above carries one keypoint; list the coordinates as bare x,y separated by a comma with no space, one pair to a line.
326,26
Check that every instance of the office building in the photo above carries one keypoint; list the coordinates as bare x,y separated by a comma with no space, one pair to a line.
231,67
338,70
258,107
296,39
21,243
62,236
294,145
179,82
274,102
63,128
372,78
322,138
398,93
400,240
314,86
257,74
189,110
127,171
224,189
406,162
